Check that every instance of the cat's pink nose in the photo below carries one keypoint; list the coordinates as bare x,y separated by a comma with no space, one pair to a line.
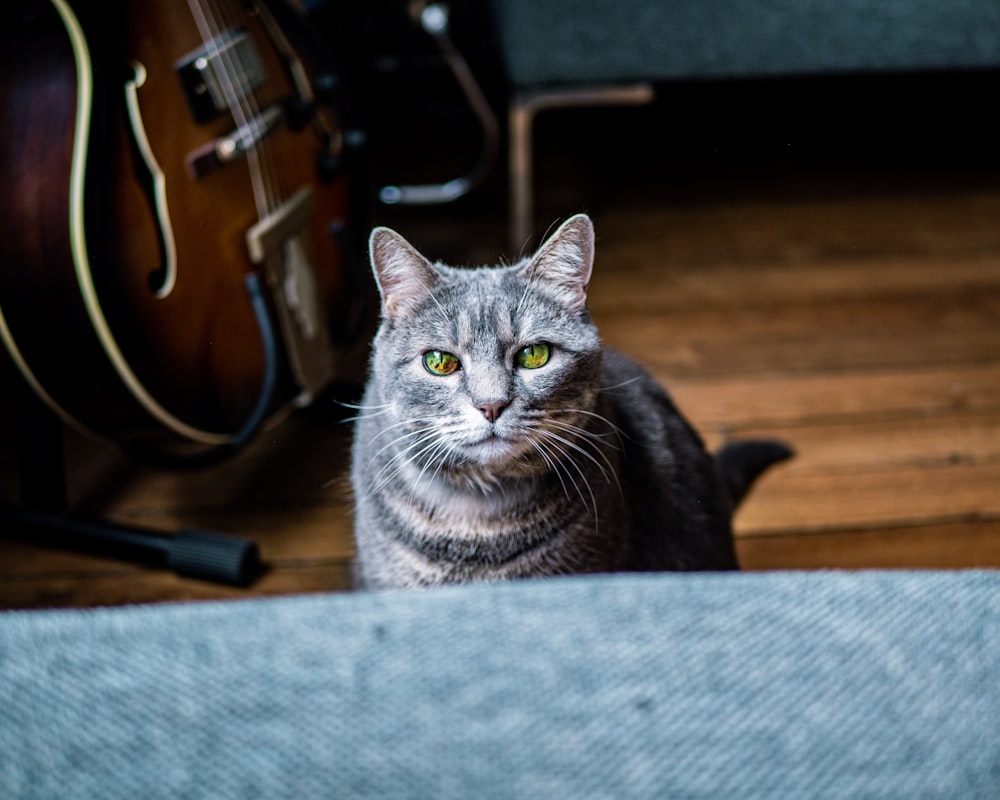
493,409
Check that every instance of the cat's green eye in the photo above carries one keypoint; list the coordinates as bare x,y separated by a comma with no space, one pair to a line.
437,362
533,356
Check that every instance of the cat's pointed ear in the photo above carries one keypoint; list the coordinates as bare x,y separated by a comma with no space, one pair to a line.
404,277
564,263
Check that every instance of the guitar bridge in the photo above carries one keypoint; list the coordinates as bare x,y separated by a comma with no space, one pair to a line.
282,245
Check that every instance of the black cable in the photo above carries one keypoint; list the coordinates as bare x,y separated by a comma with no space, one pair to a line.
253,422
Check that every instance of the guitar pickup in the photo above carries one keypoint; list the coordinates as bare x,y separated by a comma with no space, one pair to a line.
222,151
219,74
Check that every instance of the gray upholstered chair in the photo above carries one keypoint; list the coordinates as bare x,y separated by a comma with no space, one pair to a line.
559,53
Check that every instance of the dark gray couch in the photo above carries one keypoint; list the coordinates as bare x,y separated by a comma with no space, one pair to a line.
781,685
561,53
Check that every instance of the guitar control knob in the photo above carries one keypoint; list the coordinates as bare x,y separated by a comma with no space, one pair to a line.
329,166
298,112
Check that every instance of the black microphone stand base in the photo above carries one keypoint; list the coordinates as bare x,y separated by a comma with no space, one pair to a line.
42,518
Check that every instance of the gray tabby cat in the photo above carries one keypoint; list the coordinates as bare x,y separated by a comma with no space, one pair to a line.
498,439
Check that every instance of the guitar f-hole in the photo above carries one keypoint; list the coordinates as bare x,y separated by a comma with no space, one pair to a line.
163,278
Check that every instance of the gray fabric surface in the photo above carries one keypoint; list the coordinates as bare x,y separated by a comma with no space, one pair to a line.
777,685
584,41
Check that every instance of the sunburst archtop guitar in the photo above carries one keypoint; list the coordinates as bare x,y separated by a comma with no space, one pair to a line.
160,157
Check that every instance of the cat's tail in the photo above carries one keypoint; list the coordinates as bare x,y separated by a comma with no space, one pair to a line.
741,463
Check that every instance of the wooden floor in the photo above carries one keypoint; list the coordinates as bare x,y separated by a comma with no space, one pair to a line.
850,308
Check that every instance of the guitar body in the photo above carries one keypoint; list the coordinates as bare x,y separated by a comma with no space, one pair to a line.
123,292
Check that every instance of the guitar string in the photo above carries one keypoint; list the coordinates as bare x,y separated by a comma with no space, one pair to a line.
269,161
241,97
229,67
214,20
222,65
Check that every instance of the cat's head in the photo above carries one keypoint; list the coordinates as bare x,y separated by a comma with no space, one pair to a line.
487,368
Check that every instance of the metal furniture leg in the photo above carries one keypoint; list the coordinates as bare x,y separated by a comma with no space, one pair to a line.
521,115
433,18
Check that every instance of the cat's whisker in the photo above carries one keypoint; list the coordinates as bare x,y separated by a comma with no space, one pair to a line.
359,417
362,407
440,447
365,411
594,442
429,291
610,474
599,417
393,427
559,459
552,464
590,436
449,457
585,453
567,458
402,438
401,459
636,379
432,445
403,423
524,296
544,236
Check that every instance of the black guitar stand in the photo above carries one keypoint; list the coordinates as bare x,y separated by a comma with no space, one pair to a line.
433,19
43,518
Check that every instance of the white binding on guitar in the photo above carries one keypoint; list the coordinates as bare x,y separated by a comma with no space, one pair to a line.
159,179
279,243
